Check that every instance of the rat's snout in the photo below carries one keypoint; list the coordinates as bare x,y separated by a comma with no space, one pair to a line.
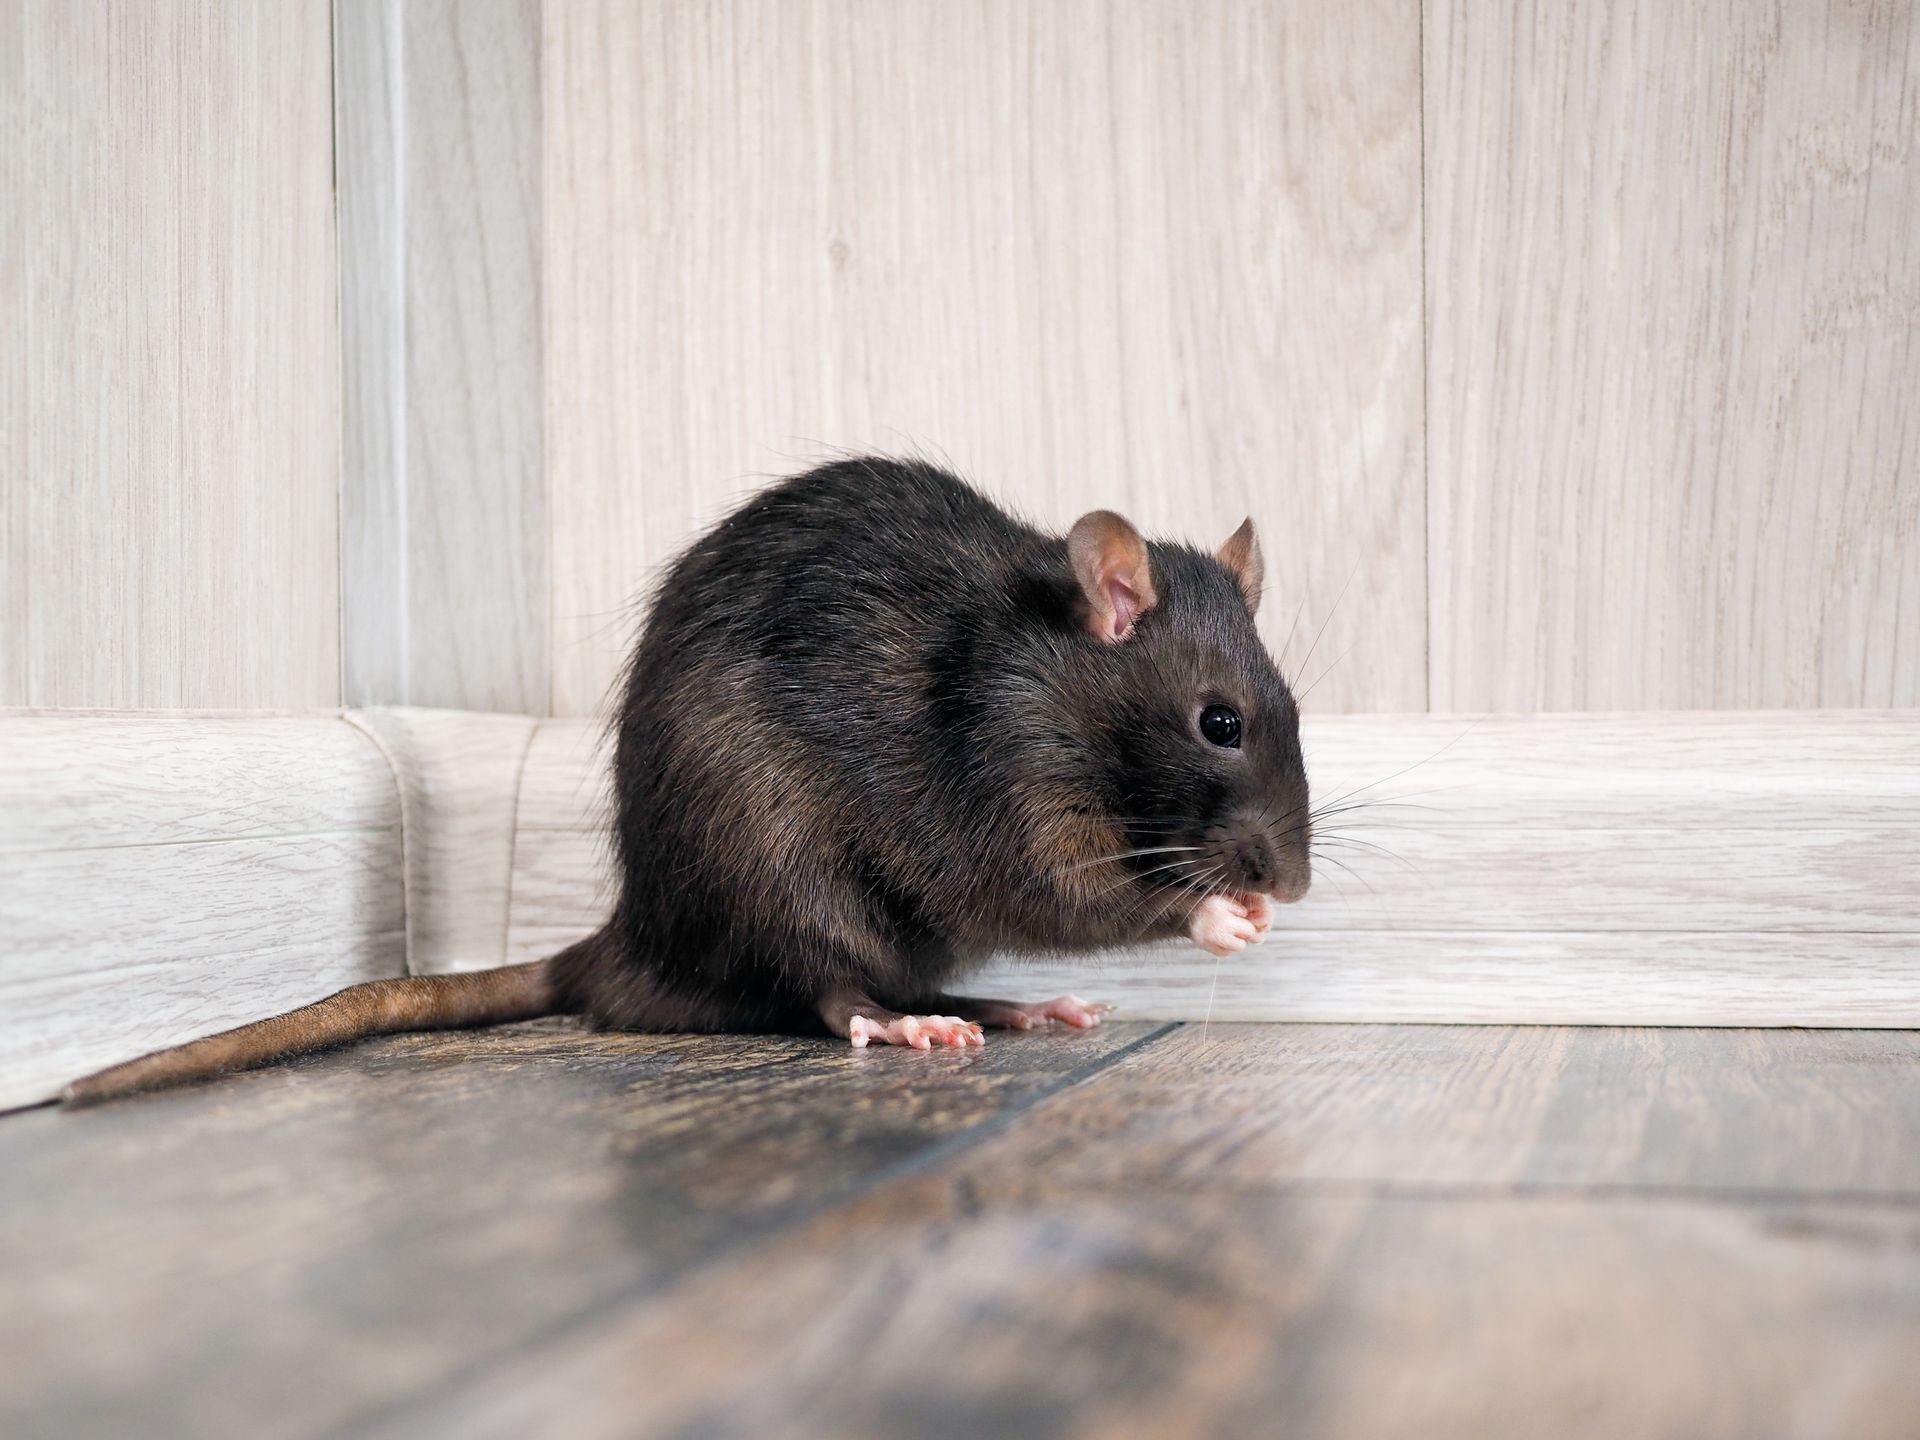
1257,862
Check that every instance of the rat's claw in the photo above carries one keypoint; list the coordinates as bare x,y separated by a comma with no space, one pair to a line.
962,1033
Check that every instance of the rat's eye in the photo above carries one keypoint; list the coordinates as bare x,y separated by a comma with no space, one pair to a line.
1220,725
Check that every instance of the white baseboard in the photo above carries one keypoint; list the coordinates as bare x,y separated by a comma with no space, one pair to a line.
1613,977
165,876
1693,868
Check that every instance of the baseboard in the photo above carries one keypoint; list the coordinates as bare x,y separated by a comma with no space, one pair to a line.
1691,868
1837,980
165,876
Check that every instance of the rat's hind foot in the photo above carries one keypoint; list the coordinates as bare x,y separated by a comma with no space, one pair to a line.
922,1032
1227,924
1014,1015
860,1020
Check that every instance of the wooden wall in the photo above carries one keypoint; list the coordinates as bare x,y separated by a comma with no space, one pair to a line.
442,488
169,380
1673,280
1571,350
1148,255
1566,356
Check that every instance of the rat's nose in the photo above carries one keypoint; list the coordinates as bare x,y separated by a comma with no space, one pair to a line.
1253,857
1283,874
1258,862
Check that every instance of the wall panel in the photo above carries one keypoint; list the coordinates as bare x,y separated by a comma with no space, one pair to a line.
1674,299
168,504
443,490
1146,254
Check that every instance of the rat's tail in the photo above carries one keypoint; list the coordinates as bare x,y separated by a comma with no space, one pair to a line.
379,1007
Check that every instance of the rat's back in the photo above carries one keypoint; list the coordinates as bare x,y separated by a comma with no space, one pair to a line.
845,558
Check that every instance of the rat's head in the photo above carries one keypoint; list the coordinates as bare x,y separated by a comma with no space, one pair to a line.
1204,733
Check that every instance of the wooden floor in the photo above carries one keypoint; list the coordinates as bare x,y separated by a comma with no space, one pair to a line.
1145,1231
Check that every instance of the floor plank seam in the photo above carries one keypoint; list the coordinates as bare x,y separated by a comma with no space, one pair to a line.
912,1167
1471,1192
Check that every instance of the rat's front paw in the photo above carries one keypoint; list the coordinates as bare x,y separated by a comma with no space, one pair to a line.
1227,924
1260,911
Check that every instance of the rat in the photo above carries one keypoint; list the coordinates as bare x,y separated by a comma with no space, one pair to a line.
876,729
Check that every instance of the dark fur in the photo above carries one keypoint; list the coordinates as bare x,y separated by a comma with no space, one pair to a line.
865,731
866,739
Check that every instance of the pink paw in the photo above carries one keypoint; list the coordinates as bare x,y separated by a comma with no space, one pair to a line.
922,1032
1227,924
1067,1009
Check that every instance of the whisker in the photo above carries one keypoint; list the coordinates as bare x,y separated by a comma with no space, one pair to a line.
1144,875
1349,837
1122,855
1301,698
1392,923
1341,891
1397,802
1329,616
1384,779
1298,610
1370,849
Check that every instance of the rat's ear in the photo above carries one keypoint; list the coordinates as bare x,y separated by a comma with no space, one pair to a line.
1241,554
1110,561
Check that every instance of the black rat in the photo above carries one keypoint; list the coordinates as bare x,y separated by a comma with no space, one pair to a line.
875,730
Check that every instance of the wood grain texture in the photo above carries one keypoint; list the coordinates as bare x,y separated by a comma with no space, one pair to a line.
443,489
1134,255
103,780
171,376
1674,323
563,888
1698,770
1173,1314
1755,1114
562,882
1319,1231
361,1225
1569,977
165,877
1300,1230
1590,868
459,776
565,783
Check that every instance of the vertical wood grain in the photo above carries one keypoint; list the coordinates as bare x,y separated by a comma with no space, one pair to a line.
167,517
443,500
15,586
1144,254
1675,327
